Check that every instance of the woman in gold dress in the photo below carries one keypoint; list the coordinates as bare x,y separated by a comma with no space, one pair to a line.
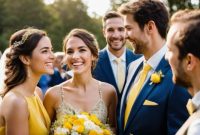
82,93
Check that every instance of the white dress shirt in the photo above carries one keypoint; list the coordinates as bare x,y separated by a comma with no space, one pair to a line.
194,128
153,61
113,63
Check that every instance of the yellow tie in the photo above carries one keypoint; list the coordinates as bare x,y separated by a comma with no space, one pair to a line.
120,74
190,107
136,90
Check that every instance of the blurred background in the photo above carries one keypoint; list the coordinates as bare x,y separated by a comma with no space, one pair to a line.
58,17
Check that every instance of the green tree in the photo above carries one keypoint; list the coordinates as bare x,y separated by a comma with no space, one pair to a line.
116,3
57,19
73,14
18,14
174,5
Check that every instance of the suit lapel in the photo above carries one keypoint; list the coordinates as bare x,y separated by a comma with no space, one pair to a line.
128,57
124,97
128,60
146,90
106,66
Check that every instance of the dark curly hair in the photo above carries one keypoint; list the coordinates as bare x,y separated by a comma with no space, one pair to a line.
22,42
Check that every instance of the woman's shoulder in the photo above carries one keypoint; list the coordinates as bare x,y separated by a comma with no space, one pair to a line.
13,102
108,93
107,86
57,88
107,89
14,98
38,91
53,91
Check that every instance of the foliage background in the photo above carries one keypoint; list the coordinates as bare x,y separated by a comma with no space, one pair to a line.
59,18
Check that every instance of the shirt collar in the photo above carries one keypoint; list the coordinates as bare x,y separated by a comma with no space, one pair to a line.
113,57
196,99
156,58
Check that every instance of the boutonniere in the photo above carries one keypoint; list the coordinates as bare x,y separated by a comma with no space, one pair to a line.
156,77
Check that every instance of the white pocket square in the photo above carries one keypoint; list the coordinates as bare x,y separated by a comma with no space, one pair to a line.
150,103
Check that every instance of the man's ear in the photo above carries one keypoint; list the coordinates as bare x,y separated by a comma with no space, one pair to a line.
150,26
191,61
25,59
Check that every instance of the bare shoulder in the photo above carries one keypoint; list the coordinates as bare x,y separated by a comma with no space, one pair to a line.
38,91
53,92
108,93
14,102
108,89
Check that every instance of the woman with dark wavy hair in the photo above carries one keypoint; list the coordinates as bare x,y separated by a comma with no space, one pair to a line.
21,109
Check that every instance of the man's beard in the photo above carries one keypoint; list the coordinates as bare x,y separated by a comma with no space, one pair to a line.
181,78
138,47
183,82
116,48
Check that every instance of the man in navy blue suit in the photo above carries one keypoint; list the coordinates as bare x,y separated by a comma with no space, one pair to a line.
159,107
114,33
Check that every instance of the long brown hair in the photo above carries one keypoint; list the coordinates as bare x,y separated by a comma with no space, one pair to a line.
22,42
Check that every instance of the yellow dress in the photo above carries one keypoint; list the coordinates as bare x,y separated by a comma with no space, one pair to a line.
39,120
2,130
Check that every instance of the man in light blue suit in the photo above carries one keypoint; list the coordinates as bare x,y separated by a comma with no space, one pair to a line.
159,107
114,33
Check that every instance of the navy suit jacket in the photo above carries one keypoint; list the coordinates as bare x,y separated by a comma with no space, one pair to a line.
103,70
166,117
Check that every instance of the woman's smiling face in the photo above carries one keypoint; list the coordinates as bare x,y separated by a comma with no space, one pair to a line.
78,56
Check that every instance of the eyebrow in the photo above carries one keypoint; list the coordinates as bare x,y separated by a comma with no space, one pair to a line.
83,47
126,26
79,47
44,48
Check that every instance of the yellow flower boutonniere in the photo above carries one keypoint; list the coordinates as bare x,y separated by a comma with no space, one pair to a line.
156,77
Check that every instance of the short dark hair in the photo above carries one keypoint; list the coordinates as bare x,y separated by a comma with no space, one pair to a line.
109,15
144,11
188,38
87,37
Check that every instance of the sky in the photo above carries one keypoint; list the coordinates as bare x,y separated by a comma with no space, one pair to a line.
98,7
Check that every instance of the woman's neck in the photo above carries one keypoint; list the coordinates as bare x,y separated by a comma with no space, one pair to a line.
82,81
29,85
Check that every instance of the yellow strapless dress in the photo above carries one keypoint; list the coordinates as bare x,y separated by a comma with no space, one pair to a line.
39,120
